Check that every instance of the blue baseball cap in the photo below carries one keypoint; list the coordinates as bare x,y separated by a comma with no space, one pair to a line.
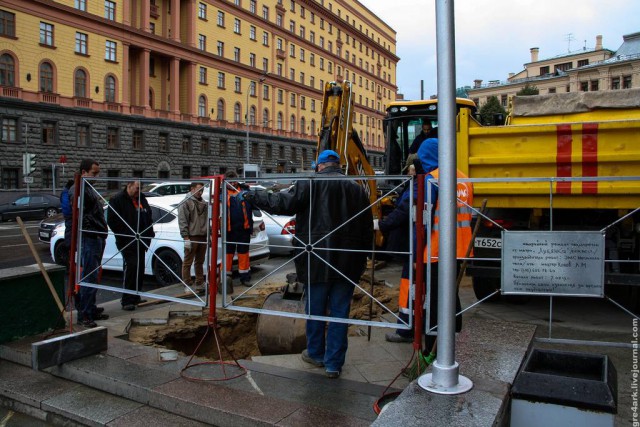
328,156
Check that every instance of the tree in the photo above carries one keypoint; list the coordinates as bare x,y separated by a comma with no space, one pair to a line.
461,92
490,110
528,90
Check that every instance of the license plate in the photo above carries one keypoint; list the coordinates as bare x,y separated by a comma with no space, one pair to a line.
44,234
487,242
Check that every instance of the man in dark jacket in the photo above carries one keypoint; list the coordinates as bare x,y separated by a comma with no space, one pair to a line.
129,215
335,227
94,233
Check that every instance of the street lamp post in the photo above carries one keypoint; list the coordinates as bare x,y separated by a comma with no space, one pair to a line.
246,118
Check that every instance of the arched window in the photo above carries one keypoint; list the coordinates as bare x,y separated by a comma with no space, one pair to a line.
313,127
252,115
80,84
292,123
236,113
110,89
279,124
303,126
202,106
46,77
220,115
7,70
265,117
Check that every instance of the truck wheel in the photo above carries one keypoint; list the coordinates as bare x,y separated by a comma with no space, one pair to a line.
484,286
170,273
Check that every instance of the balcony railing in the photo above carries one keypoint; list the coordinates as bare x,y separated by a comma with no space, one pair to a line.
49,98
136,109
11,92
280,54
82,102
110,106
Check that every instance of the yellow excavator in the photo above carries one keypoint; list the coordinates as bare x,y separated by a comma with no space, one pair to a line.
278,335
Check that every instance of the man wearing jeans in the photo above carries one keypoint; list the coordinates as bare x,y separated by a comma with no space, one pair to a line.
193,220
94,233
335,226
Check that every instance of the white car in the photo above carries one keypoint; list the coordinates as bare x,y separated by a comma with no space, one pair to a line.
168,188
167,244
281,230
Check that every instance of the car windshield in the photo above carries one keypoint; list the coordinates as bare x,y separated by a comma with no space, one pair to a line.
148,187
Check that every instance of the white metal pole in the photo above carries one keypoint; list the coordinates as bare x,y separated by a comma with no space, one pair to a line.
445,378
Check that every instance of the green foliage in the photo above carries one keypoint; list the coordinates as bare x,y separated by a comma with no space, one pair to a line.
491,107
461,92
528,90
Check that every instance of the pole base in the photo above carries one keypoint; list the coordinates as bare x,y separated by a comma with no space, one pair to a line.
463,386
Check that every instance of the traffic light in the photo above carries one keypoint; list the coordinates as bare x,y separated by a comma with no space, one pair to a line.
29,163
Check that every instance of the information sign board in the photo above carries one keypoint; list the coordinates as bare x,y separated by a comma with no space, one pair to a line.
569,263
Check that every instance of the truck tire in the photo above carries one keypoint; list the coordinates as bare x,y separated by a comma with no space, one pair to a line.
484,286
167,276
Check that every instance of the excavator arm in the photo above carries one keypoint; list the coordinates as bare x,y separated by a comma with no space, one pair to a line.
337,134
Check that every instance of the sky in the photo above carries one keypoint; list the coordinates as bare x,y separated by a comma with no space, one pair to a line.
494,37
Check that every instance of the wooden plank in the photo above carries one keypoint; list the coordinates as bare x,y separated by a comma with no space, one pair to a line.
59,350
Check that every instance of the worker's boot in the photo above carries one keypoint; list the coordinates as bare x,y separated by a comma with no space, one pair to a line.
229,284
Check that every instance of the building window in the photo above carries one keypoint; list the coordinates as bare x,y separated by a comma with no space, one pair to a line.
83,136
313,127
252,60
626,82
110,89
615,83
9,130
313,105
186,145
220,80
293,100
138,140
322,42
223,148
252,89
301,55
252,6
205,148
279,121
110,10
279,20
563,67
220,19
252,115
80,5
252,32
238,84
7,70
292,73
112,138
265,117
202,42
280,96
137,173
110,51
236,113
279,69
81,43
312,37
584,86
202,11
10,178
265,38
163,142
220,114
303,102
292,26
303,124
302,31
204,170
594,85
7,24
236,54
48,133
551,90
80,84
46,77
152,27
203,75
202,106
46,34
239,149
312,81
186,172
312,59
292,50
236,26
544,70
322,63
265,64
220,48
255,150
265,92
265,13
269,152
583,63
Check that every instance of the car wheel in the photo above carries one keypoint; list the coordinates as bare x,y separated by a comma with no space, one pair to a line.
484,286
61,253
167,267
51,212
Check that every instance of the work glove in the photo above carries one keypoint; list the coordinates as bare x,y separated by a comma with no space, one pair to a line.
375,225
187,245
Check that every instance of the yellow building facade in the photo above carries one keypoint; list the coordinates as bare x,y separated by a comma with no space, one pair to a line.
202,61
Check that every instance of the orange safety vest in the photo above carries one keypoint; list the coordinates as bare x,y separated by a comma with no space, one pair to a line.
464,195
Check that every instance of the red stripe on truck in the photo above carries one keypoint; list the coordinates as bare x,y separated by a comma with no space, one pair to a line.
563,157
589,157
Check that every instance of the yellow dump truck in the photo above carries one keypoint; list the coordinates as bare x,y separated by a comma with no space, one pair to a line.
554,143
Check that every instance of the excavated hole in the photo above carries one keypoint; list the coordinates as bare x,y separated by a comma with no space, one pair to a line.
237,330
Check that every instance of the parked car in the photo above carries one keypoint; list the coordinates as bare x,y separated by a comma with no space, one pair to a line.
281,230
169,188
47,226
30,206
167,246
